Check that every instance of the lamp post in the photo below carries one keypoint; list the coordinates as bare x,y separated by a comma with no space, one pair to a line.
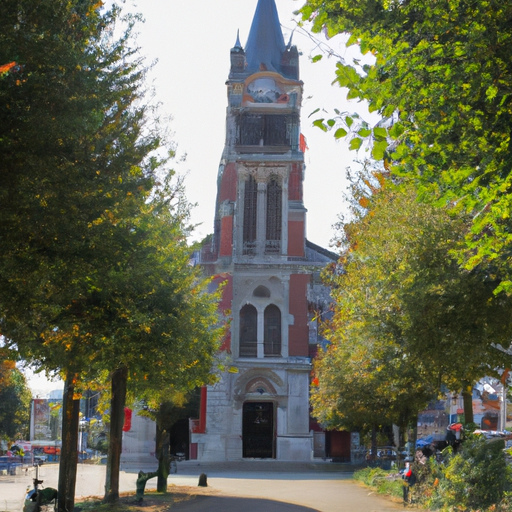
453,408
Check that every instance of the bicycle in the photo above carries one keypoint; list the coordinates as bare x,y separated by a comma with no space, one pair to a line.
40,499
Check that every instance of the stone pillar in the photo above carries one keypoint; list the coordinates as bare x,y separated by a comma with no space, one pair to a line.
284,217
286,318
238,239
261,332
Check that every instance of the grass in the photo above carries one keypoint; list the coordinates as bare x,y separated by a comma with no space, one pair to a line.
384,482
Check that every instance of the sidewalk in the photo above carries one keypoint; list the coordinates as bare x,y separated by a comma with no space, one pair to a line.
250,465
239,485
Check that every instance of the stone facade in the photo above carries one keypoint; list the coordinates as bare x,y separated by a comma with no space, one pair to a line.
259,408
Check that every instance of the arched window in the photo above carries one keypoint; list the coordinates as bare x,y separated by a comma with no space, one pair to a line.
261,291
274,216
250,215
248,331
272,331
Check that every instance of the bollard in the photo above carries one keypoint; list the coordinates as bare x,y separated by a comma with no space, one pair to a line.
202,480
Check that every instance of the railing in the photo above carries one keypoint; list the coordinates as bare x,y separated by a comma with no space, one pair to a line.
272,246
272,349
249,349
250,248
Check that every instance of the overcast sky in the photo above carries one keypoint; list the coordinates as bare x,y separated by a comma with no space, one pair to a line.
191,42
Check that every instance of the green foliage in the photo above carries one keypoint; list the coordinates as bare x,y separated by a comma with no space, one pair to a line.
440,77
95,273
477,477
15,399
75,147
406,319
384,482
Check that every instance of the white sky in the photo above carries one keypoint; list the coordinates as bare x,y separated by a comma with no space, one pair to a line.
191,41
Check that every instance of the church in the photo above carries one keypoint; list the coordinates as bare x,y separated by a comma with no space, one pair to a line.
272,291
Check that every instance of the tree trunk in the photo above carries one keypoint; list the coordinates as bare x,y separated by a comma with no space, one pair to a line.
467,397
163,448
69,449
142,479
414,436
117,403
373,449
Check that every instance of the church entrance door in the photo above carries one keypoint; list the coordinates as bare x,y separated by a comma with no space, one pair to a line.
258,430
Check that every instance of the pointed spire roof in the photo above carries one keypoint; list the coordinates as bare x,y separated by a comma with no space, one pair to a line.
237,44
265,45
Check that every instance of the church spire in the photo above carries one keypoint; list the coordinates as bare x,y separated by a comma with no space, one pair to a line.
265,45
237,44
237,57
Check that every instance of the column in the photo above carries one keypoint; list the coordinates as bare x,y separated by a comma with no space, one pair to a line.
285,316
261,332
238,240
284,216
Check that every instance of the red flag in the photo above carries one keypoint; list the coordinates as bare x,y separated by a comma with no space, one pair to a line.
127,420
302,143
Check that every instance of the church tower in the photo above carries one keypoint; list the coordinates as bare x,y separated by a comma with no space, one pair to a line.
260,406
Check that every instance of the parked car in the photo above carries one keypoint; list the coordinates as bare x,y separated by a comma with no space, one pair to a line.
385,457
386,452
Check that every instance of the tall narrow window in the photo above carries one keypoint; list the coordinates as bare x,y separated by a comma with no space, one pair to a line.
248,331
272,334
250,215
274,216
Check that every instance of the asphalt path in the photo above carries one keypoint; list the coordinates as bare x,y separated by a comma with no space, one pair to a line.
236,487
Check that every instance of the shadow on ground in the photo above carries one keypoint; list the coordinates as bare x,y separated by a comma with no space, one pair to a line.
232,504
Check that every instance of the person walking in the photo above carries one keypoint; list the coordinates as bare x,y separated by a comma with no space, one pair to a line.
408,480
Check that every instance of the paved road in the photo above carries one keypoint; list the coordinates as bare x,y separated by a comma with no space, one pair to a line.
247,486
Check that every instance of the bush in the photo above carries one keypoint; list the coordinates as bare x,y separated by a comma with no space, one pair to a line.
477,478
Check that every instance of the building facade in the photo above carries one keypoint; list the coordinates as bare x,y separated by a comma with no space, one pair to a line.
272,292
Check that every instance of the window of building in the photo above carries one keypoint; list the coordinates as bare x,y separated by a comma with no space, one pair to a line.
274,216
264,130
272,331
250,215
248,331
261,291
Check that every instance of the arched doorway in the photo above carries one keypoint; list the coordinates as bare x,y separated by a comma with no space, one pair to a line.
258,430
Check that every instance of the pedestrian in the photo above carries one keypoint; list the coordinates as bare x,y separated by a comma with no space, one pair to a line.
408,480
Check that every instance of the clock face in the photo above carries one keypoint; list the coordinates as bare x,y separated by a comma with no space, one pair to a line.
264,90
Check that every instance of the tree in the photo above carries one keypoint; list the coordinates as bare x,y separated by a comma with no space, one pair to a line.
15,399
76,145
441,80
406,318
166,406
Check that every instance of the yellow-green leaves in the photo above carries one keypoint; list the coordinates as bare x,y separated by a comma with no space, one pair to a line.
441,80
